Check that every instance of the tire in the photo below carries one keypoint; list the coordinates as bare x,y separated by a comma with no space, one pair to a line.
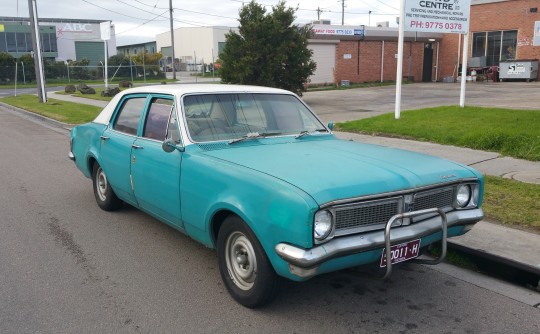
245,269
105,197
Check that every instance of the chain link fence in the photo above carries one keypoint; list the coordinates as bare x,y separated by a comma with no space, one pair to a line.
24,73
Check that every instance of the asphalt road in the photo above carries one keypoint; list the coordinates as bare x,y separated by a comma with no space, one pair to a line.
363,103
68,267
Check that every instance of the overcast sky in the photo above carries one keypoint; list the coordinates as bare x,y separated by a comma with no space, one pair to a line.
141,20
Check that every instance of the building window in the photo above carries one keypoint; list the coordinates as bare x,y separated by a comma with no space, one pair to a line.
496,46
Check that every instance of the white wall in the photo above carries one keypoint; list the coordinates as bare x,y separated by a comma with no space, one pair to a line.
199,42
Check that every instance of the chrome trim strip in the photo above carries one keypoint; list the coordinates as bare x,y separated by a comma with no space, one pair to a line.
71,156
307,258
397,193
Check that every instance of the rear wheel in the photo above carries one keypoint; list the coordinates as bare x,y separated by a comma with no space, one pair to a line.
105,196
245,269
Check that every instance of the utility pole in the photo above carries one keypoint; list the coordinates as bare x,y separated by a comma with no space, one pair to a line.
342,12
369,19
319,13
36,45
172,40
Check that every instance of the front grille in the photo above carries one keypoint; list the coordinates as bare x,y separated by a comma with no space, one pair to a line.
369,213
374,214
438,198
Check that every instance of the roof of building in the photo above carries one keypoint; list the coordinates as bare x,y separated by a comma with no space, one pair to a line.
49,20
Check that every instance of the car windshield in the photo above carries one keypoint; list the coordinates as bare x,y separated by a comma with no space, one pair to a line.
215,117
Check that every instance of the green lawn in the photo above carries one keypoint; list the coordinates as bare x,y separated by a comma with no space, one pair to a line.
67,112
513,203
510,132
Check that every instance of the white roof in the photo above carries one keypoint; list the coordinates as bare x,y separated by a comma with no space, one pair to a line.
179,90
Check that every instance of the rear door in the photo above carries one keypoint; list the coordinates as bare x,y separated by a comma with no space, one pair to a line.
116,145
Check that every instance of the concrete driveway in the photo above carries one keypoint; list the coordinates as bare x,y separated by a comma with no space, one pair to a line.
351,104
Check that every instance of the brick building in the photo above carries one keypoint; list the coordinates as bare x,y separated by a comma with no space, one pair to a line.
367,54
499,30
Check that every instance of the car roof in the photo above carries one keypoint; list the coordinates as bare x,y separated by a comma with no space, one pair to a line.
179,90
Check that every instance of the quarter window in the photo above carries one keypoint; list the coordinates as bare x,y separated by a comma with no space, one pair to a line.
128,117
157,119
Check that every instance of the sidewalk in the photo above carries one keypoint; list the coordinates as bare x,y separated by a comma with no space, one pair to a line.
505,245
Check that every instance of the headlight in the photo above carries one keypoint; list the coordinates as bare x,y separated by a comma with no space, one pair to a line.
463,195
323,225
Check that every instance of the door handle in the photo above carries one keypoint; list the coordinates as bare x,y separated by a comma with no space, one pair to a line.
137,147
104,138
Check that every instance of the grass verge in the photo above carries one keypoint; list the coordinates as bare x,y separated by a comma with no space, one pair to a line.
513,203
354,85
510,132
67,112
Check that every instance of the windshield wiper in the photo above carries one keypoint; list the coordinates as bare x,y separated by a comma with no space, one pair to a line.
305,133
254,135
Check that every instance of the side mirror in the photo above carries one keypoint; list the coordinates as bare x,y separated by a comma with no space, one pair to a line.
169,146
331,125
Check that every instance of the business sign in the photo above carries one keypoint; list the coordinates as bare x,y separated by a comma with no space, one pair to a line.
105,29
536,38
329,30
438,16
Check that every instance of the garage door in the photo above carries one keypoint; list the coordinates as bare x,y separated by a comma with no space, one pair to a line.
325,57
93,51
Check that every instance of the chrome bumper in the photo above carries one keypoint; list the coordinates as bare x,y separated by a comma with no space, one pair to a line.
304,262
71,156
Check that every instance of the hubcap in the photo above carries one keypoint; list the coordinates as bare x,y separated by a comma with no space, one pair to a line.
101,185
241,261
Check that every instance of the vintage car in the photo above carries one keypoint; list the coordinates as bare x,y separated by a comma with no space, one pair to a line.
253,173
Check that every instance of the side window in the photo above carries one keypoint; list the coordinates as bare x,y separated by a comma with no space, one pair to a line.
157,119
128,117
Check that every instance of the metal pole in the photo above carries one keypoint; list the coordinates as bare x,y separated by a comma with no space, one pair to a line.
143,66
23,74
106,73
399,71
437,64
36,44
130,67
16,69
458,53
464,70
67,66
172,40
382,62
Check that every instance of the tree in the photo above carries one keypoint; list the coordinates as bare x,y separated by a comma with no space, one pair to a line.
268,50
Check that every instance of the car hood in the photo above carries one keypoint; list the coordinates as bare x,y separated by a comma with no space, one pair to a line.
332,169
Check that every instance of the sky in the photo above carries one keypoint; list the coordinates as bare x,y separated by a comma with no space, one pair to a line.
138,21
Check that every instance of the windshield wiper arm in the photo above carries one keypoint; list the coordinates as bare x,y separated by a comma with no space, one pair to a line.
254,135
305,133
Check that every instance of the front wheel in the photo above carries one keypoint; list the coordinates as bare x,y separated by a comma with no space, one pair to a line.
245,269
105,196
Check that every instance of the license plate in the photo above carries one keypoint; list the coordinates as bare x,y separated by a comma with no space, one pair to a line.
402,252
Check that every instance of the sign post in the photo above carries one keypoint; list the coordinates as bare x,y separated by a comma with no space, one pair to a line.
438,16
105,28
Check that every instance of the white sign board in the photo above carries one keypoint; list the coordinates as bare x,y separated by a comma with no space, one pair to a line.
439,16
536,36
105,28
319,29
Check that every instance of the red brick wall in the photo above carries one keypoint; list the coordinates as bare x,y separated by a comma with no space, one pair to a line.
508,15
365,62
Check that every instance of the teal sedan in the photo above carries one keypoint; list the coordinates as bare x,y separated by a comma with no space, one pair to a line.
253,173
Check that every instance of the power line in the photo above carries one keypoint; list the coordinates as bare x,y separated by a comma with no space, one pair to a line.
112,11
150,20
